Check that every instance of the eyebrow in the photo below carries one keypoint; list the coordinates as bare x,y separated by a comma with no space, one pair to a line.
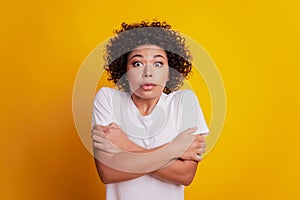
136,55
159,56
141,56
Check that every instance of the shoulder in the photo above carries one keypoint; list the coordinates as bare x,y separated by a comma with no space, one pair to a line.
188,93
182,99
184,96
106,92
111,95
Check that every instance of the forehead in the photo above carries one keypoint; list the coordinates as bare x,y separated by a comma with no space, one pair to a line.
148,50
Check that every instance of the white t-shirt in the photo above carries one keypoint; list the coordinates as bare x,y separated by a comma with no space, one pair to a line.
172,114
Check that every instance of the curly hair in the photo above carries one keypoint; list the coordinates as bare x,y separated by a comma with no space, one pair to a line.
131,36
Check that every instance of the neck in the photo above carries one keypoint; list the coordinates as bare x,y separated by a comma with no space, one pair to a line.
145,106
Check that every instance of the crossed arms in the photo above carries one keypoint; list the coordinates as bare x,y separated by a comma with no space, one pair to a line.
180,168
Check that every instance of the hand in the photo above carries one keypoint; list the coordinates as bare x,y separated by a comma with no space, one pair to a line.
114,134
196,149
102,142
182,142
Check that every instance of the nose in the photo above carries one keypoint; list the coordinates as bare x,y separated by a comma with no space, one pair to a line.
147,75
147,72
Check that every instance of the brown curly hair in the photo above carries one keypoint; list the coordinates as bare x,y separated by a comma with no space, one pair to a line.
131,36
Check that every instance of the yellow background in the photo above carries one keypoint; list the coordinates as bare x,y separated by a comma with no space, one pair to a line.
255,45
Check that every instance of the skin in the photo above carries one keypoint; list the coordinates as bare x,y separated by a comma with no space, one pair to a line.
147,73
147,64
148,159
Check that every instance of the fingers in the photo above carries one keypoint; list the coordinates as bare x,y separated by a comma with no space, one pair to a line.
103,144
98,139
198,142
203,145
105,129
99,130
99,133
193,153
98,136
198,158
106,148
98,145
98,142
201,151
100,127
101,137
200,138
113,125
198,146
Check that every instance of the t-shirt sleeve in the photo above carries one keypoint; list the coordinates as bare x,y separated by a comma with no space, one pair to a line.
102,108
192,114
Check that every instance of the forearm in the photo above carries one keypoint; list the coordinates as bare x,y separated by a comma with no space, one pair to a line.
134,158
121,167
133,147
180,172
110,175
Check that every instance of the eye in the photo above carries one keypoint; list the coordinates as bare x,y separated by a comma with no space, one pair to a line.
158,64
137,64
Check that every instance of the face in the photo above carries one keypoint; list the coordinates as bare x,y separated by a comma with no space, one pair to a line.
147,71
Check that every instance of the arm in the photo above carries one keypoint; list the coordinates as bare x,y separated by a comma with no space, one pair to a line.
183,170
110,175
179,172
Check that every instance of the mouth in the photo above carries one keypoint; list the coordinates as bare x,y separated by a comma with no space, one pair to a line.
147,86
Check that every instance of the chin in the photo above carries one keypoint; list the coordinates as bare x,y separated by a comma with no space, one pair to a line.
147,95
151,94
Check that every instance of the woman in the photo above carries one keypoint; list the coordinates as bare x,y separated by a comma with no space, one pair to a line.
148,116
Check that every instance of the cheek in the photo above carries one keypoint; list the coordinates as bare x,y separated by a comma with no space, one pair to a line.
133,80
132,75
163,75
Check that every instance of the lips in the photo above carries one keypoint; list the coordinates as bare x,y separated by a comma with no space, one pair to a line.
148,86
